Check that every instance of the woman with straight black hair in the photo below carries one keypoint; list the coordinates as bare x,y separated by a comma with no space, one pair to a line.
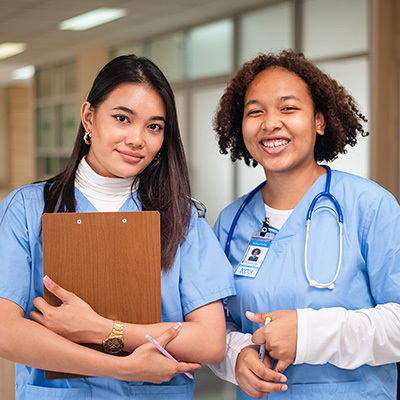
128,156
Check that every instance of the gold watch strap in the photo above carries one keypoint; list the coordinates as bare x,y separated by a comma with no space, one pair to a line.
115,341
117,331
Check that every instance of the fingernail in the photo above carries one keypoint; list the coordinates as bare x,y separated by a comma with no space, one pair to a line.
284,388
46,279
283,379
177,326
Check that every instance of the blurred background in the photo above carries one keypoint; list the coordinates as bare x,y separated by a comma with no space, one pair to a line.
47,68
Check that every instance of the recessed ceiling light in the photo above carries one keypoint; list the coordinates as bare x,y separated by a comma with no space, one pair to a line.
9,49
24,72
92,19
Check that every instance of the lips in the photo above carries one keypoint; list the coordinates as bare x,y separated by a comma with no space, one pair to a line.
130,156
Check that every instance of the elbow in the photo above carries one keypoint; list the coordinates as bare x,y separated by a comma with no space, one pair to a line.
217,352
219,356
5,342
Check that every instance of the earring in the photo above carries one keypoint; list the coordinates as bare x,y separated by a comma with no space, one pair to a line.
158,156
87,138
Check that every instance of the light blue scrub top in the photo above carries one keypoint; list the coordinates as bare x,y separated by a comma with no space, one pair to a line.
370,275
200,275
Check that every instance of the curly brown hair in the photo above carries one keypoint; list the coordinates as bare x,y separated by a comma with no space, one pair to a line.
342,116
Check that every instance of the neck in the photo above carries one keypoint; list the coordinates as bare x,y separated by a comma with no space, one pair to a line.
284,190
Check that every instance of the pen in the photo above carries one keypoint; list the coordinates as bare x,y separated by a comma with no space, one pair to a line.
261,353
165,352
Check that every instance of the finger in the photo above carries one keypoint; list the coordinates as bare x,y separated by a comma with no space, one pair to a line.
260,336
36,316
250,364
268,362
281,366
187,367
267,374
259,318
259,387
169,335
42,305
57,290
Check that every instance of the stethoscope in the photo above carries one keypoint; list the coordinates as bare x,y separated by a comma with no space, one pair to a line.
326,193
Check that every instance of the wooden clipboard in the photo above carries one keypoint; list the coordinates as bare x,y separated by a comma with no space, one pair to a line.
112,260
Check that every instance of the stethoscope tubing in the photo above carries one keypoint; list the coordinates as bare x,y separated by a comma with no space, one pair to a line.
326,193
238,214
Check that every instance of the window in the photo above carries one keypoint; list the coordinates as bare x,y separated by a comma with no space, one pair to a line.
209,50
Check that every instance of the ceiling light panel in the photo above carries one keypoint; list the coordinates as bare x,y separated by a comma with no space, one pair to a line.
24,72
93,18
9,49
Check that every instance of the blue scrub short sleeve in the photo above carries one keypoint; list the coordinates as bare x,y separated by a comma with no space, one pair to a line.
17,237
206,274
381,248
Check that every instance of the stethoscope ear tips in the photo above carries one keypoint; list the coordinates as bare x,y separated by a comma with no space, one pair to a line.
313,283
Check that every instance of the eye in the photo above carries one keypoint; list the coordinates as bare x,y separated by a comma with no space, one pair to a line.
121,118
289,108
254,112
156,127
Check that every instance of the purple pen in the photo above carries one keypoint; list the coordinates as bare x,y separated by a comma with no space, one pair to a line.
165,352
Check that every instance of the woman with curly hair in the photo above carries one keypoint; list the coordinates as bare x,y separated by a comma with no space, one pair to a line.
326,293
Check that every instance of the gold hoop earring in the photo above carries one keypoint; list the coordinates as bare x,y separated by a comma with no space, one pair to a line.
87,138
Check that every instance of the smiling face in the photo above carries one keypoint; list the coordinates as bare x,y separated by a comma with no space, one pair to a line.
127,130
279,124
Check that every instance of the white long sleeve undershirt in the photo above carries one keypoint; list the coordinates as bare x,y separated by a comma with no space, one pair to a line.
344,338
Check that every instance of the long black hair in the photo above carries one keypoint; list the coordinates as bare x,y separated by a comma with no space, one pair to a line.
164,184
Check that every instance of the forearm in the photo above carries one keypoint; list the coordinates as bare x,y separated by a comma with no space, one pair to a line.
347,338
33,345
202,337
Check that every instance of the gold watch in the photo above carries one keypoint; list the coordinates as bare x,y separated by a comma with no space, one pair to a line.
115,342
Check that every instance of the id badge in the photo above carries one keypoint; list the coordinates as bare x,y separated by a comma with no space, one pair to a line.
254,256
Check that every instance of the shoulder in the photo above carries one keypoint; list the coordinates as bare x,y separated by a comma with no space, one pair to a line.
32,192
23,198
364,199
228,215
230,210
359,186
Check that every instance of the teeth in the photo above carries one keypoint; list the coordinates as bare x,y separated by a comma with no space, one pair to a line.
275,142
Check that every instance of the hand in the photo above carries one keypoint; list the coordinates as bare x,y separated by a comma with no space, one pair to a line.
279,336
147,364
74,319
257,378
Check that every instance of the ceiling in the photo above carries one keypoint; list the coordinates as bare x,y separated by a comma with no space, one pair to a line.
35,22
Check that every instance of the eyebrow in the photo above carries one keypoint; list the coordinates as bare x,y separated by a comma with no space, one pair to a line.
283,98
290,97
131,112
250,102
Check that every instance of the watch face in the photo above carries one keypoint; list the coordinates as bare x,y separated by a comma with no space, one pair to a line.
113,345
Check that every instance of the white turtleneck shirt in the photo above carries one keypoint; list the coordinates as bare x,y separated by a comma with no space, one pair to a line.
106,194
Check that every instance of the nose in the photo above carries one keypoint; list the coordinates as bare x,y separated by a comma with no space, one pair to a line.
135,137
271,121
